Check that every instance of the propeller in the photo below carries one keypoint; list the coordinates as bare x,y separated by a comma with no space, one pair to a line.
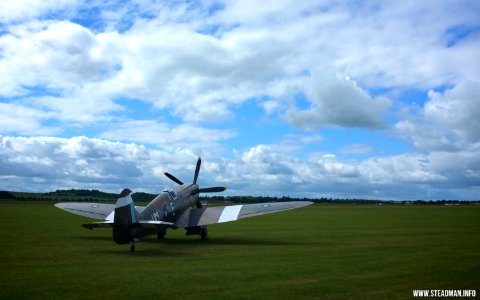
173,178
196,191
214,189
197,170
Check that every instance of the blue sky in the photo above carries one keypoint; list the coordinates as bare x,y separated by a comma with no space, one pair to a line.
371,99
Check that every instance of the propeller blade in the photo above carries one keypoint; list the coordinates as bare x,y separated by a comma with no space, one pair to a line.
215,189
197,170
173,178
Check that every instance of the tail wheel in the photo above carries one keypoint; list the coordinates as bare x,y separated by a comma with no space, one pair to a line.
204,233
161,234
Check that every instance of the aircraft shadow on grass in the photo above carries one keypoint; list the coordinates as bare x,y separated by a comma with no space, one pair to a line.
171,209
219,241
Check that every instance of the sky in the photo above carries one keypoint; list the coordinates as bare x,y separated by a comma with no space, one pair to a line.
343,99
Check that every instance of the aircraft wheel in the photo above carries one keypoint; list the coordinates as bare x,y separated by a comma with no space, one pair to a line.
204,233
161,235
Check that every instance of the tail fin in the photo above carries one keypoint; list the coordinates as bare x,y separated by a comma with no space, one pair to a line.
125,215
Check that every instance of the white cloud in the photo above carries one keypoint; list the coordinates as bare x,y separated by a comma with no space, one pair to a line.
57,55
201,66
292,143
82,162
402,44
448,121
270,106
457,109
170,137
78,109
197,76
20,119
77,162
338,102
262,170
405,168
170,62
15,11
356,149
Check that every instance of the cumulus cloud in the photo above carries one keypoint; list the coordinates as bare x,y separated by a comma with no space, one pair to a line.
20,119
200,62
168,136
262,170
48,163
199,65
406,45
428,176
456,109
338,102
15,11
77,109
356,149
81,162
198,77
76,162
448,121
56,55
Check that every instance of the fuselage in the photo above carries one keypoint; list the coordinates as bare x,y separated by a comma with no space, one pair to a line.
168,206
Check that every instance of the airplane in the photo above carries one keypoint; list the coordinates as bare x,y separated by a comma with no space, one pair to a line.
171,209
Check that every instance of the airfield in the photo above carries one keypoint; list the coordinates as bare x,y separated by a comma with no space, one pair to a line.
320,251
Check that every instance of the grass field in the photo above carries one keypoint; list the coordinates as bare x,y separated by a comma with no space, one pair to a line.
321,251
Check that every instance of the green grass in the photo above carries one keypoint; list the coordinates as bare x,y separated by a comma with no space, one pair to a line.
323,251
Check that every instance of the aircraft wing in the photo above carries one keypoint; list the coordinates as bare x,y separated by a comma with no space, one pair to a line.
221,214
97,211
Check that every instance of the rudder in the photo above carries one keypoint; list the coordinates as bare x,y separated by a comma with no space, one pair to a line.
125,215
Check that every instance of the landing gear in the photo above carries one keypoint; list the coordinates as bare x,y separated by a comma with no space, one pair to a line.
204,233
132,247
161,234
198,230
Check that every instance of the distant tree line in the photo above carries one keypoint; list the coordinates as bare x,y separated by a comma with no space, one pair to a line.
259,199
84,195
6,195
77,195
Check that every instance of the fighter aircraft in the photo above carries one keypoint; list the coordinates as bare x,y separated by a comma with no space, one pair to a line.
171,209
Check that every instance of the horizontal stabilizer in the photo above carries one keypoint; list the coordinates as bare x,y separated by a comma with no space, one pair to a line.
90,226
145,224
155,224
